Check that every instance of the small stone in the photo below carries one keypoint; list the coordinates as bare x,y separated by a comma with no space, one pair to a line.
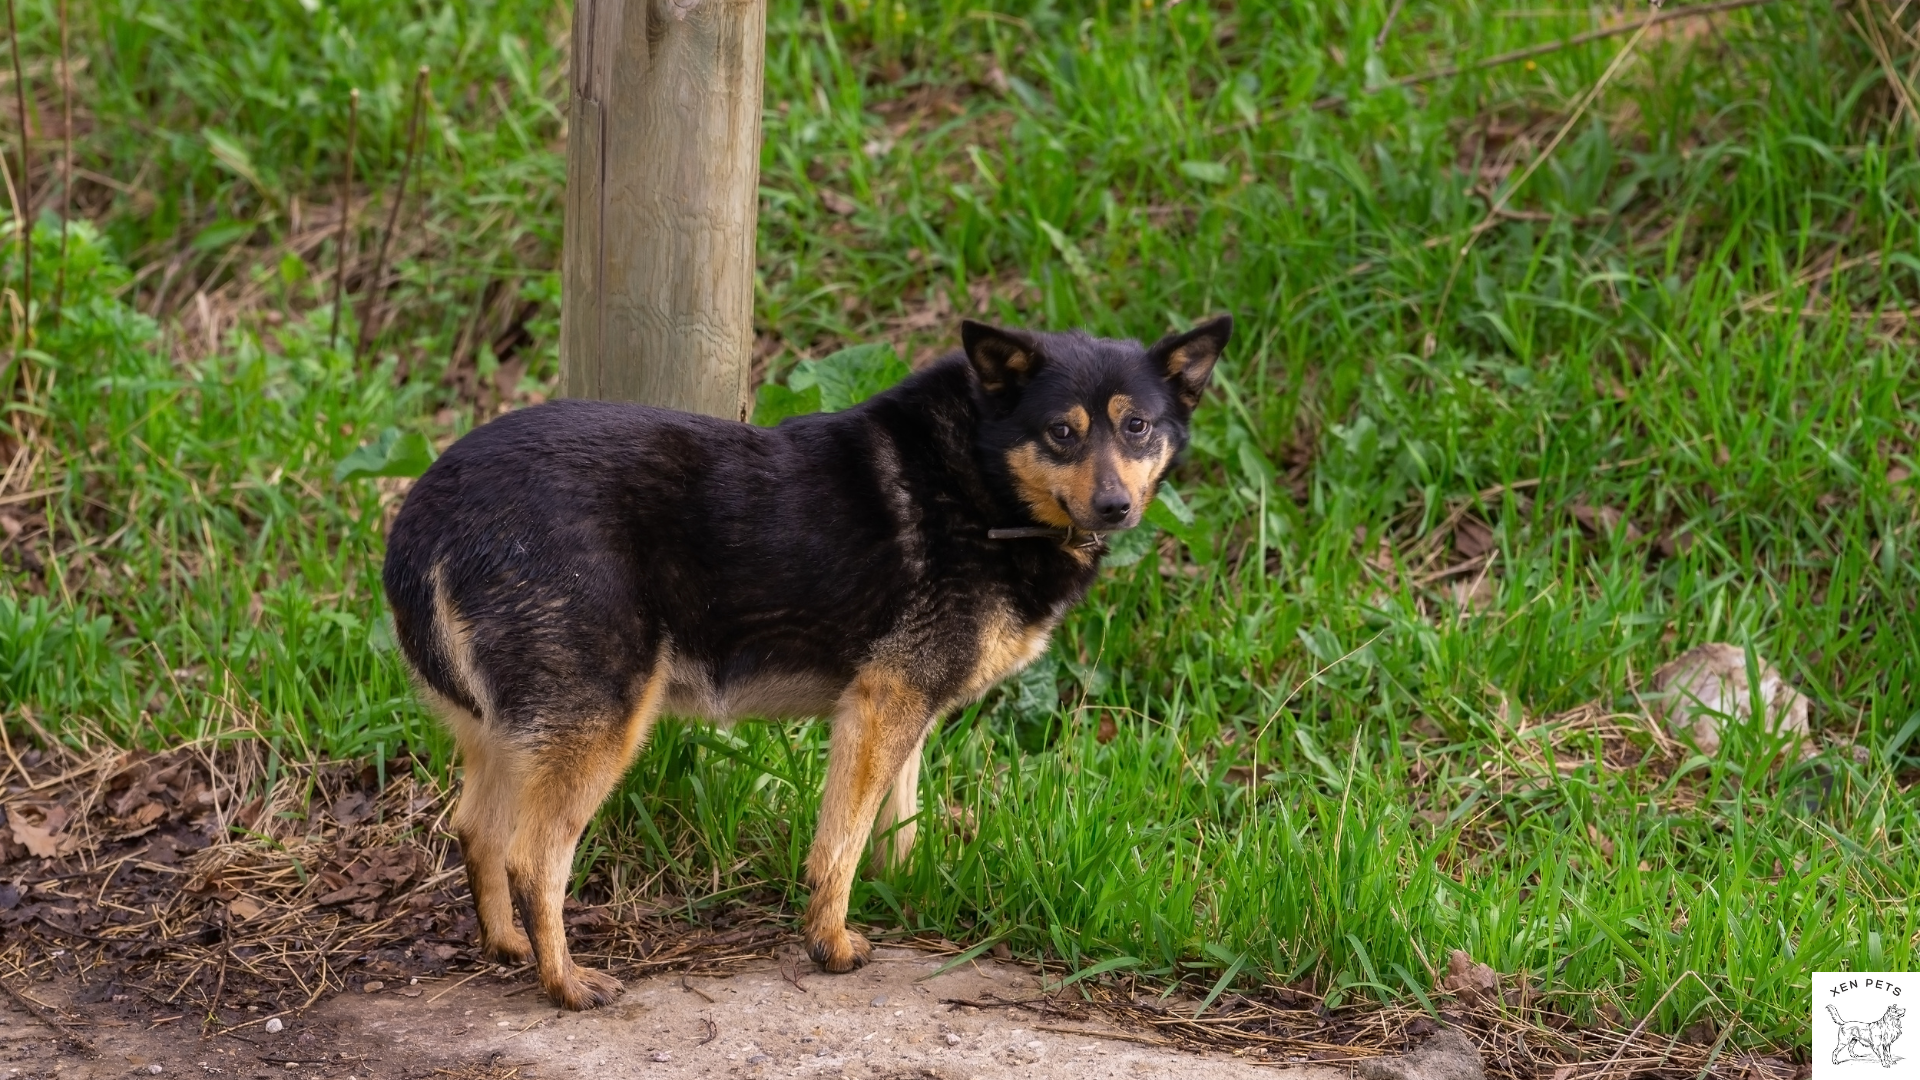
1704,686
274,1026
879,1002
662,1056
504,1023
1446,1056
155,1069
952,1039
373,987
759,1059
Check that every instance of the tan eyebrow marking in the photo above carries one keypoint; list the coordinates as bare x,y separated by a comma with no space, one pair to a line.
1078,420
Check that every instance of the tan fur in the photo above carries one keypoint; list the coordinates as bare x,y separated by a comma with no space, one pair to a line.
1005,647
1119,406
895,830
520,817
1016,364
1141,475
1039,482
691,694
1049,489
453,631
1197,355
879,722
483,820
1079,421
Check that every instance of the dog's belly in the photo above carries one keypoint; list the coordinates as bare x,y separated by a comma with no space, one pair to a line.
773,695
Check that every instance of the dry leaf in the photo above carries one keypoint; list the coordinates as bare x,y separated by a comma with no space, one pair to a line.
1108,730
1601,520
1467,980
1896,474
1697,690
44,839
10,525
1475,594
1472,538
39,843
1600,840
837,203
351,808
244,908
1672,544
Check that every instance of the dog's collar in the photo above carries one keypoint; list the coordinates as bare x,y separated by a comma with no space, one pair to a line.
1072,537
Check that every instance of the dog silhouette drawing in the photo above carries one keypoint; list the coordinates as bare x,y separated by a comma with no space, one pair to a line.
1860,1039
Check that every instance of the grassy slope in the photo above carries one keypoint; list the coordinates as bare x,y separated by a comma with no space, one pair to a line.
1128,168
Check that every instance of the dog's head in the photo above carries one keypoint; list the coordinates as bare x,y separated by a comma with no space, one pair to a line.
1086,426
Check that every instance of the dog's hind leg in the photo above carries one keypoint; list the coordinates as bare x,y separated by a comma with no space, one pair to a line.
483,821
879,721
894,831
567,777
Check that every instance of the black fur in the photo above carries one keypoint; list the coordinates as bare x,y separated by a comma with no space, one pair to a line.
575,536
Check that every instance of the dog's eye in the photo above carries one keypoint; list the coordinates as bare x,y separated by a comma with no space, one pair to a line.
1136,426
1061,432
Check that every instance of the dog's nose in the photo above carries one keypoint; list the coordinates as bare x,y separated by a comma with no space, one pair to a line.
1113,506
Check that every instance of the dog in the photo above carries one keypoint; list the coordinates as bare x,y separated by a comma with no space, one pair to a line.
567,573
1859,1039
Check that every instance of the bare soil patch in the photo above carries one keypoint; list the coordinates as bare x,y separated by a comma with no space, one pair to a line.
167,909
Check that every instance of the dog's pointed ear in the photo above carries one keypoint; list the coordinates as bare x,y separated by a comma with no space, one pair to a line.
1187,359
1003,359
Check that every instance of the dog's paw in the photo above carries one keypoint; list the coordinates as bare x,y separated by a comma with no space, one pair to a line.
840,952
581,989
511,949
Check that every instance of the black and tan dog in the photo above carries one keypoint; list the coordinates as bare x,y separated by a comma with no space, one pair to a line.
567,573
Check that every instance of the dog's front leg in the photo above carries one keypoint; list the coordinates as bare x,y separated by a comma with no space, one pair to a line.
879,722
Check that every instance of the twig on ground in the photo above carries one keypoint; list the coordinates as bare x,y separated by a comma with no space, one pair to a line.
1386,25
25,220
66,157
375,288
692,989
346,211
1513,187
1691,11
48,1017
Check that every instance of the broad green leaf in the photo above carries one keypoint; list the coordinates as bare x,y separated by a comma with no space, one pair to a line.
1207,172
392,454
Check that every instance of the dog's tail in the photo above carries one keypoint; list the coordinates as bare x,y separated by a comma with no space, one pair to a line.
1835,1013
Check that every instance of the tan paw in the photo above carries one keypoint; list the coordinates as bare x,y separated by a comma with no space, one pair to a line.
583,988
511,949
840,951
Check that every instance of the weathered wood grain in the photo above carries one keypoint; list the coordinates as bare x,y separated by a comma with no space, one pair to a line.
663,168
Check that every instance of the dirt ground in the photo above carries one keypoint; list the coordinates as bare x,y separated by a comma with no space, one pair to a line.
889,1021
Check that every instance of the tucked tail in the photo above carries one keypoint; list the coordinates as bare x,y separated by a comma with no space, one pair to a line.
1835,1013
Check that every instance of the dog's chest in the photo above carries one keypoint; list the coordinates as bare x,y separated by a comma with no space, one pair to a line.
1006,643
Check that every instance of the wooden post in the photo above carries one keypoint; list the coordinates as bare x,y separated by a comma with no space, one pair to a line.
663,172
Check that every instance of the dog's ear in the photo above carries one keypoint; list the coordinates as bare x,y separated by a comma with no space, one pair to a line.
1187,359
1004,359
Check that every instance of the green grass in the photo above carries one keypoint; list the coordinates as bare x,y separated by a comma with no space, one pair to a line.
1636,342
